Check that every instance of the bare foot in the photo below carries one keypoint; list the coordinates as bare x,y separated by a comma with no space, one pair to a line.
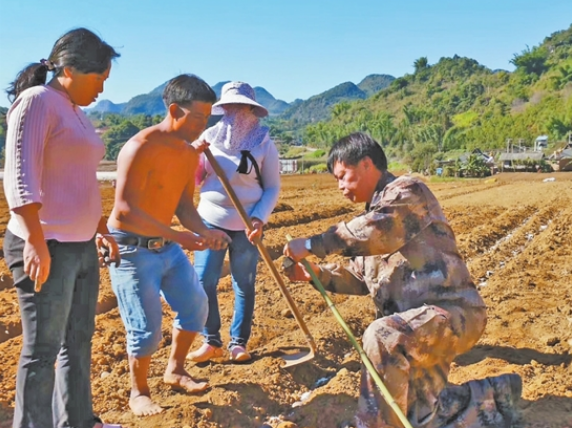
142,405
184,381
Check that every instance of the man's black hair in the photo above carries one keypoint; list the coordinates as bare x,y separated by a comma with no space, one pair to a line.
186,88
352,148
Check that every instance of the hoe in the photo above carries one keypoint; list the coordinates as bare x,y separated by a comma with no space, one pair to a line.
290,359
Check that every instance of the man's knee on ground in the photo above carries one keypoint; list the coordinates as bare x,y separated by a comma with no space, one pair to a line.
372,339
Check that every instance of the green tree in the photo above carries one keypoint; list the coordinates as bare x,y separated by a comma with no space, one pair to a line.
116,136
340,108
563,77
421,64
531,61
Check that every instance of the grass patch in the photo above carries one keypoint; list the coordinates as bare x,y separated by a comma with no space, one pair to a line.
397,166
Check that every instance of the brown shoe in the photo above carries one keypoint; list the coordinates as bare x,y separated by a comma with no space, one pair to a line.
205,353
239,353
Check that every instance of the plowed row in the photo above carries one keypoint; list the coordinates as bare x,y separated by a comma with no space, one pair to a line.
514,233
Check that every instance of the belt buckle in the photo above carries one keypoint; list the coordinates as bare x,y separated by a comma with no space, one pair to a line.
155,243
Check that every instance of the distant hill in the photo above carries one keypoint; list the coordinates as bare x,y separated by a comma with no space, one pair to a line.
106,106
274,106
374,83
151,104
318,107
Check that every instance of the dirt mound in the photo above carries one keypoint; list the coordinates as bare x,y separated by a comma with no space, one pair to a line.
513,232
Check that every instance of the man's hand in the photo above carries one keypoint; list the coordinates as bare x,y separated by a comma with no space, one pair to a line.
107,250
200,145
256,233
37,260
296,271
216,239
191,241
296,249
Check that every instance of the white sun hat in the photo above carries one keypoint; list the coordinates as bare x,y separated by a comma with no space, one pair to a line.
238,93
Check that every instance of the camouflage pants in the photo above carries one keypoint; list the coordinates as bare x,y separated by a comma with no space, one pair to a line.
412,351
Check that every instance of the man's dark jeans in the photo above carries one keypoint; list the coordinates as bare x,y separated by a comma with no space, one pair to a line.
57,323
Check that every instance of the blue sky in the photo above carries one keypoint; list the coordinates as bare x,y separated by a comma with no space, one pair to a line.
294,49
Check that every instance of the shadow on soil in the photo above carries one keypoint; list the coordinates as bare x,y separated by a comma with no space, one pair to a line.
547,412
520,356
263,409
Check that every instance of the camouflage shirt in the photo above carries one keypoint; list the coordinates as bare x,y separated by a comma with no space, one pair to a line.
403,252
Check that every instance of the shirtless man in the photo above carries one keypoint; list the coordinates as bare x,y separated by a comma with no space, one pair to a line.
155,181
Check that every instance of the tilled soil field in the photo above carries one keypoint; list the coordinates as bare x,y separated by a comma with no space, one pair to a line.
515,233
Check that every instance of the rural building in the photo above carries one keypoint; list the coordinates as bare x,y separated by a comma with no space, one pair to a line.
565,160
540,143
488,160
525,161
288,166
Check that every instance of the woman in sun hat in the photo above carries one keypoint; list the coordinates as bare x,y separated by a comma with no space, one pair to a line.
249,158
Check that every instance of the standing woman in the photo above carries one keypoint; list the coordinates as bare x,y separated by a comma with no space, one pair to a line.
250,161
56,228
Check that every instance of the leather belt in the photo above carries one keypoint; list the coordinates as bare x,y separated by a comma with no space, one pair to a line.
152,243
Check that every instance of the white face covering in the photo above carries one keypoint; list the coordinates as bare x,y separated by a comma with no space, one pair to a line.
238,129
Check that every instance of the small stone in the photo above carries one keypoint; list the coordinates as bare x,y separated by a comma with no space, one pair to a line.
287,313
104,375
305,396
552,341
534,363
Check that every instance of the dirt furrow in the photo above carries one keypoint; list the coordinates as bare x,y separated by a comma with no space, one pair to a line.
483,188
514,242
482,238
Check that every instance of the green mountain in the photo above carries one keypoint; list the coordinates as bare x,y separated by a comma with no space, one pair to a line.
458,104
319,107
275,107
106,106
150,104
374,83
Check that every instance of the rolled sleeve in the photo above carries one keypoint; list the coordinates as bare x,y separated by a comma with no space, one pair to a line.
395,220
28,128
342,280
